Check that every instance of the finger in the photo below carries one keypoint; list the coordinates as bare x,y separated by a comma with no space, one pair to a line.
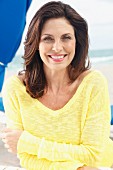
7,135
3,135
3,140
6,146
6,130
10,150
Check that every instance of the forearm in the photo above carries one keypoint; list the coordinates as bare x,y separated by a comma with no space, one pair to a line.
54,151
31,162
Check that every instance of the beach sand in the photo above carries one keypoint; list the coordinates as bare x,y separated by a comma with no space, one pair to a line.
106,68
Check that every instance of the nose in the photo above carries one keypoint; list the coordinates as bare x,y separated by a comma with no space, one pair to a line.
57,46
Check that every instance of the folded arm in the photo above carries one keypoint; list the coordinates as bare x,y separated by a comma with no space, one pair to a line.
93,136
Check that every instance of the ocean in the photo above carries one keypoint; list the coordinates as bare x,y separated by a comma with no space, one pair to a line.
100,56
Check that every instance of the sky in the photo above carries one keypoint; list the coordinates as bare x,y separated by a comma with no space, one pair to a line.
98,14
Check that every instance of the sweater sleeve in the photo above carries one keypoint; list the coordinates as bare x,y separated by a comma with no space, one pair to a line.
93,137
31,162
11,105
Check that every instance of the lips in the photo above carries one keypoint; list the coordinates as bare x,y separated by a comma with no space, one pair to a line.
57,56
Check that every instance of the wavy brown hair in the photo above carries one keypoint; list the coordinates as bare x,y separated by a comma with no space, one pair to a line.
35,79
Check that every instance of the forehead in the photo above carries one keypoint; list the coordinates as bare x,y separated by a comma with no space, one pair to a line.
57,25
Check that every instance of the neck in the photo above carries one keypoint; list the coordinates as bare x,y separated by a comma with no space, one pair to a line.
57,80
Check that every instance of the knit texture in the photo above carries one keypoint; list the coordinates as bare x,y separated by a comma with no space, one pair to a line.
64,139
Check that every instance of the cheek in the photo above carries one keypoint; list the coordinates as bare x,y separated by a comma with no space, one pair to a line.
43,51
71,47
71,44
44,48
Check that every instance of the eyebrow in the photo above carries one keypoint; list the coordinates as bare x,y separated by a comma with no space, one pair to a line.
47,34
52,35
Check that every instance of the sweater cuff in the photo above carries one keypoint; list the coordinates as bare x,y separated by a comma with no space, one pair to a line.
28,143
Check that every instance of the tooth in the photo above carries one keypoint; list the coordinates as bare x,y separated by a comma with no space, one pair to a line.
57,57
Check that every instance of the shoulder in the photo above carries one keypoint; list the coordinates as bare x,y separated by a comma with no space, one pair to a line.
94,76
21,77
96,82
13,83
98,78
93,80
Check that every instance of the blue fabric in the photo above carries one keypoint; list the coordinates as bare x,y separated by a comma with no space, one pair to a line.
1,105
2,73
28,4
111,114
13,20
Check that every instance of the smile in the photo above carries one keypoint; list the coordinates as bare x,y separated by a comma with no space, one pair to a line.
57,56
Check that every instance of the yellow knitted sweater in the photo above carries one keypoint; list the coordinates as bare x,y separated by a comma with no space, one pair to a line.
65,139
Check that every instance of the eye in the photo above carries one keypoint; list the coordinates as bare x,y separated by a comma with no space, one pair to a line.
66,38
48,39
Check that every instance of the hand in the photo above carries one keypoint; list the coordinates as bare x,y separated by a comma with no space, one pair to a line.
10,138
87,168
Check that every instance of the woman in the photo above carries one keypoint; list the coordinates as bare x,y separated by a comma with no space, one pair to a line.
58,110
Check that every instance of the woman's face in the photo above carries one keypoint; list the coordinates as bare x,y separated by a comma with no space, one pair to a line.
57,44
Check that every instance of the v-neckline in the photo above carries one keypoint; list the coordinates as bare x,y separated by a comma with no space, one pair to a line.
69,103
